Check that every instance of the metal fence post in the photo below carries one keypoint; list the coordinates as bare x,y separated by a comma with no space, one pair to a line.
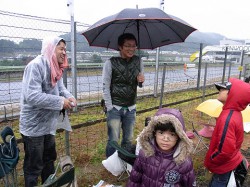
162,84
199,67
156,72
244,71
241,62
67,146
224,66
204,83
229,71
65,77
73,59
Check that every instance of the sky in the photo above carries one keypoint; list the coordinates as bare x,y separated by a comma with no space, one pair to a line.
226,17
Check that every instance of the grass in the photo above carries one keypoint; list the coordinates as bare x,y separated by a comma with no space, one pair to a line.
87,144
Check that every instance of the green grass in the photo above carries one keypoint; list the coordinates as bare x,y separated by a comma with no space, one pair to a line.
87,144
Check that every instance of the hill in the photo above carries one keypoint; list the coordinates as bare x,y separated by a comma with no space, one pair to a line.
34,45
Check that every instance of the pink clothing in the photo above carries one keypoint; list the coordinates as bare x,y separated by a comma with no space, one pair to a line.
48,51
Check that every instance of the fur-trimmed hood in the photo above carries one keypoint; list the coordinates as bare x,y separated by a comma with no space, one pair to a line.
146,137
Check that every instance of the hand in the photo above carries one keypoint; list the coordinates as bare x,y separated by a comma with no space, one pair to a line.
140,77
73,101
67,104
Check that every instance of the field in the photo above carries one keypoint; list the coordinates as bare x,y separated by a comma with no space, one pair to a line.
92,170
87,143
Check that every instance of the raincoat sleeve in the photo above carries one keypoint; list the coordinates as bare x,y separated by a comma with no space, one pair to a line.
63,90
37,91
107,76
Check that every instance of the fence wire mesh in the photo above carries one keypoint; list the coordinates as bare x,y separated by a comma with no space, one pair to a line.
20,42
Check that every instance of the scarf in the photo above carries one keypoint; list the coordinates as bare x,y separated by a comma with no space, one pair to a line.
57,69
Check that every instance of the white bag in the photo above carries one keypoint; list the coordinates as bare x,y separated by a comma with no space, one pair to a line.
113,164
63,122
231,182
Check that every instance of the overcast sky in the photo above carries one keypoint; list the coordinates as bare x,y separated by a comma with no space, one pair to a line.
227,17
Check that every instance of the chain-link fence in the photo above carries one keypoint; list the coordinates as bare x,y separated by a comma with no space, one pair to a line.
20,39
20,42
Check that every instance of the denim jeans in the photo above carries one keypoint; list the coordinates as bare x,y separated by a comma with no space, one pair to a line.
117,120
220,180
40,154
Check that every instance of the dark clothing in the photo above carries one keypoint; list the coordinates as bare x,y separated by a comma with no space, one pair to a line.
161,169
220,180
119,93
124,80
40,154
224,151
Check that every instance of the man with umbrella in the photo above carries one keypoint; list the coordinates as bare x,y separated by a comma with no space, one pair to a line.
150,28
121,75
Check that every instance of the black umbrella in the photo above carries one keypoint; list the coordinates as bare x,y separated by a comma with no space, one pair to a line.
152,28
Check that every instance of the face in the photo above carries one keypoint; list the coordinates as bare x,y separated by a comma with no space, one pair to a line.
222,97
127,50
166,140
60,52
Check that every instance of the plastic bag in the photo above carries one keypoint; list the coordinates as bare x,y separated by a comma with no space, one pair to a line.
63,122
113,164
231,182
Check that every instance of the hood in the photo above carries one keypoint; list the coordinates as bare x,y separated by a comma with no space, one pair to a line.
49,53
238,95
184,147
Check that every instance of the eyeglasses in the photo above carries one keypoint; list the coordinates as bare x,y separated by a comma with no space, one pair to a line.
130,47
170,136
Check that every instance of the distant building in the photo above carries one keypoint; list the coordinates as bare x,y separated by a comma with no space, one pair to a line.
229,42
216,53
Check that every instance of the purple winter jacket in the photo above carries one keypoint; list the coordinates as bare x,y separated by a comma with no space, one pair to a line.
154,168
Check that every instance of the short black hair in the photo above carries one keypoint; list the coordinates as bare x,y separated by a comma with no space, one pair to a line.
62,40
164,127
126,36
247,79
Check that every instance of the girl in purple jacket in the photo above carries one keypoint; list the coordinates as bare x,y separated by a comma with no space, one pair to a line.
163,160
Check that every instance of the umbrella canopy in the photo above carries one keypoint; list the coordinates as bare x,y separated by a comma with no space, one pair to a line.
213,108
152,28
246,114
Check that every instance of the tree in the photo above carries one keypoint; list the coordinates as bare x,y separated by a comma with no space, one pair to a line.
8,46
30,45
142,53
96,58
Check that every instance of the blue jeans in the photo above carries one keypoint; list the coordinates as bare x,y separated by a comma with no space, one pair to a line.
220,180
117,120
40,154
